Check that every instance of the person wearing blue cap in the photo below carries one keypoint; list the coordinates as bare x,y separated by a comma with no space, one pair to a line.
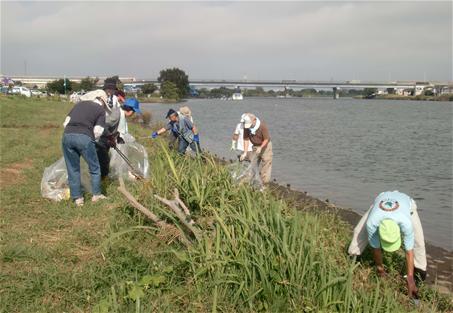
183,129
392,220
128,108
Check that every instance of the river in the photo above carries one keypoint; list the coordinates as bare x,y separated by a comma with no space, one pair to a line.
348,150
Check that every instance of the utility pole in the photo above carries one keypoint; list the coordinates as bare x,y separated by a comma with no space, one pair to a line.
64,84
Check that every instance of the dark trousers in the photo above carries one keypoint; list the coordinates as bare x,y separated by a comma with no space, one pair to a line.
183,144
102,150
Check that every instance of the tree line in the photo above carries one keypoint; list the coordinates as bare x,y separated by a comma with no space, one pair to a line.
174,84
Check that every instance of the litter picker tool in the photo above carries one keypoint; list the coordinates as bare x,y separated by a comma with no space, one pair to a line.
128,162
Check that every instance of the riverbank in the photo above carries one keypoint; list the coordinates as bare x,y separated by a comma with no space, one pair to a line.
256,252
446,97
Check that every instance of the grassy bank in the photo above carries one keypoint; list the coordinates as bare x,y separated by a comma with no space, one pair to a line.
255,253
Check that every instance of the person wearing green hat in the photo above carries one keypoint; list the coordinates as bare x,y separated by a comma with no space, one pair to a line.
391,221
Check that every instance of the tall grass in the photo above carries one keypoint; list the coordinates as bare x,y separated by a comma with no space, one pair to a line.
257,254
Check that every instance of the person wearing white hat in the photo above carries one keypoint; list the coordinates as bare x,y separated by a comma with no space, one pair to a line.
257,134
110,136
237,143
83,125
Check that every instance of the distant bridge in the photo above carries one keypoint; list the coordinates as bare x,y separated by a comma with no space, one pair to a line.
290,84
287,84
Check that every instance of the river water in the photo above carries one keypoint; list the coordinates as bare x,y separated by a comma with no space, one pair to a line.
348,150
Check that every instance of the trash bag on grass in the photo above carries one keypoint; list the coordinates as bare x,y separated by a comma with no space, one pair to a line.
54,182
246,172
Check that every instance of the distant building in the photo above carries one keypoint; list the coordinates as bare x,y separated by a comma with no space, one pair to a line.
408,92
446,89
399,91
420,87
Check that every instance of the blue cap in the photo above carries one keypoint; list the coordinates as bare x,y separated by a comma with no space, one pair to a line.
133,104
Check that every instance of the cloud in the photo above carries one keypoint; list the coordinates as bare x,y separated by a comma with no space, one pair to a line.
263,40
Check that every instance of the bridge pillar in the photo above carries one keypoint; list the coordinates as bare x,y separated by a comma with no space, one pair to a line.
336,93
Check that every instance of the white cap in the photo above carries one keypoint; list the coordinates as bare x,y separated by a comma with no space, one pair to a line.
247,119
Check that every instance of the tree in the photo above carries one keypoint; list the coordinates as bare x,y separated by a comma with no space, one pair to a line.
169,90
177,77
369,91
114,80
391,91
149,88
88,83
59,86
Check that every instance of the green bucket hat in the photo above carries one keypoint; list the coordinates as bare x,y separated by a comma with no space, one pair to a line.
390,235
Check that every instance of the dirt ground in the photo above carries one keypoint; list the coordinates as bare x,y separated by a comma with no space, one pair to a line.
13,174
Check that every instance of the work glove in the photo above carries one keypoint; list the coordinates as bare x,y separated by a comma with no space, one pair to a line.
154,135
258,150
120,140
196,138
233,145
111,141
411,287
243,156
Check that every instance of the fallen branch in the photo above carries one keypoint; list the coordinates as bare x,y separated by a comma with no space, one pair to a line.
181,211
167,228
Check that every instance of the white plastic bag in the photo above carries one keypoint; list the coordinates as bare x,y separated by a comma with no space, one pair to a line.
246,172
54,183
137,156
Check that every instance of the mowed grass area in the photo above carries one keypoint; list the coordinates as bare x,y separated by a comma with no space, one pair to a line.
255,253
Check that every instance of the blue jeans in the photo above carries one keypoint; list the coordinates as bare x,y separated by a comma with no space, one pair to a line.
183,144
74,146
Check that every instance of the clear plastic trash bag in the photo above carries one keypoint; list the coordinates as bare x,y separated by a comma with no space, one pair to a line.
246,172
54,183
137,156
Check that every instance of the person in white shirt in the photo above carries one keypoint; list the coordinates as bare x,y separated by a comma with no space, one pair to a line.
237,143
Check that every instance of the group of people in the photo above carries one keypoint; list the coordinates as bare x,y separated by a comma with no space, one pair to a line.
93,126
96,124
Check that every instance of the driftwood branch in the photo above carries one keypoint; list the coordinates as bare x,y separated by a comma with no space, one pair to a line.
168,228
181,211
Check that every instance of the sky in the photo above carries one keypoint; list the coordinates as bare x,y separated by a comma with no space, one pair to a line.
273,40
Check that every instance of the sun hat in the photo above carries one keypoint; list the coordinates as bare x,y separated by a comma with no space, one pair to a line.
247,119
390,235
133,104
95,94
185,110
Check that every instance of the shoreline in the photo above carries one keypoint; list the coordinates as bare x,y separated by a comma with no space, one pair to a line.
440,260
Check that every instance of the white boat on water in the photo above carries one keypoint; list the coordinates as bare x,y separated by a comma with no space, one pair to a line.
237,96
